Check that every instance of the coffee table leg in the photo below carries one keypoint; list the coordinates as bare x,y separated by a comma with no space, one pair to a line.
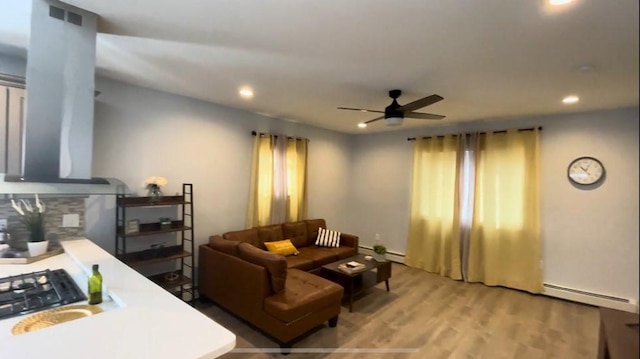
386,282
351,296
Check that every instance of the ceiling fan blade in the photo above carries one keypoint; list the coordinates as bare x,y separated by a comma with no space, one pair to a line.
375,119
359,109
424,116
426,101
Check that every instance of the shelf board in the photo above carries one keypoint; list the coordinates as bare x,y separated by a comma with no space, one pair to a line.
148,229
161,281
131,260
146,201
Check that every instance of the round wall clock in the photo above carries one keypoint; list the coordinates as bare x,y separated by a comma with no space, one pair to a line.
585,171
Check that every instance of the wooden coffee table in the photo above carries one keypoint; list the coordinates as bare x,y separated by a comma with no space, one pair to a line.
354,283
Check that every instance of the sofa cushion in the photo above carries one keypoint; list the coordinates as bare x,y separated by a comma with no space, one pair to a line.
275,264
303,294
247,235
341,252
227,246
297,232
301,263
312,229
283,247
319,255
269,234
327,238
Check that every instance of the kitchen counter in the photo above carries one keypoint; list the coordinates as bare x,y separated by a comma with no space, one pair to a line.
141,320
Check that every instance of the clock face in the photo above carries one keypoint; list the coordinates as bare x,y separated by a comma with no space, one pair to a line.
585,171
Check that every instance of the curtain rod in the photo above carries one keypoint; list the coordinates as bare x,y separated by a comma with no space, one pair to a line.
262,134
482,133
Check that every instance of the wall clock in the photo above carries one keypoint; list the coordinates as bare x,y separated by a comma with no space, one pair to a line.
585,171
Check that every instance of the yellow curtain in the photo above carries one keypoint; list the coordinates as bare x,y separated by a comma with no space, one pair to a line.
296,154
504,247
262,178
434,240
278,181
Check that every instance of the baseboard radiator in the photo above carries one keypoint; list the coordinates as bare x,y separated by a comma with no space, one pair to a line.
600,300
392,256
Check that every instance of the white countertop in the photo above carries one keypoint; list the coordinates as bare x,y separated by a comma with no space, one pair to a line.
141,320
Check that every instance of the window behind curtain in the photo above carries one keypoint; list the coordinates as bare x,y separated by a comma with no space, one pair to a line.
278,184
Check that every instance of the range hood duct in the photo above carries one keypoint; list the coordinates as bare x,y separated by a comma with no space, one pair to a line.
57,143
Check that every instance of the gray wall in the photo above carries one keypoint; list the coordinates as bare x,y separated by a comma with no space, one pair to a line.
589,237
141,133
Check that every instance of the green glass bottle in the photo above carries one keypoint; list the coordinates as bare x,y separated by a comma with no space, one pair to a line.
95,286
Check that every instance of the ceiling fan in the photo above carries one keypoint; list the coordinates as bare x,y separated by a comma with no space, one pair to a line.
395,113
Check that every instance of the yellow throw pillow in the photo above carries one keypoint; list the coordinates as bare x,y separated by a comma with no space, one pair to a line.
284,247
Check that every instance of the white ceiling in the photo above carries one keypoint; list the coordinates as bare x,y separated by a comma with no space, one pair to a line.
488,59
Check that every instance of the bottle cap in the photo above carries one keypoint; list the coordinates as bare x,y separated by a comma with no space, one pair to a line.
95,267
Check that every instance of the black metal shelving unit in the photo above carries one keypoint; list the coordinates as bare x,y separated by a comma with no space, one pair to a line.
179,282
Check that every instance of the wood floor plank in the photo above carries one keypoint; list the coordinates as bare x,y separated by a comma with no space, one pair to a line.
435,317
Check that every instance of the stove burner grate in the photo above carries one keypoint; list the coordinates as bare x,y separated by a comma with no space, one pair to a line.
32,292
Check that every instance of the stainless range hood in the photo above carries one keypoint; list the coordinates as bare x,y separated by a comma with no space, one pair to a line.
57,138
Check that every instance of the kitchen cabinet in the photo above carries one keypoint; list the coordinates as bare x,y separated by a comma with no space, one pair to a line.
180,281
11,124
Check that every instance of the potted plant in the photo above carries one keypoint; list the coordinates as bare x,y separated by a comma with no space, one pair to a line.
33,220
379,253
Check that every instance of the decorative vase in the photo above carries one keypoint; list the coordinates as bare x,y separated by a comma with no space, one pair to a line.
37,248
154,193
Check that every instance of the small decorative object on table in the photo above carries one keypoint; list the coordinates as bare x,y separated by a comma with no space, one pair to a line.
33,219
165,223
379,253
154,187
133,226
171,277
352,267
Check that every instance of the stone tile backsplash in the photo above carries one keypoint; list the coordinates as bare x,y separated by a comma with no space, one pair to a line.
55,208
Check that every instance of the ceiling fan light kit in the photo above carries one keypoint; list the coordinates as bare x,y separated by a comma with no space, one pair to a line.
394,121
395,113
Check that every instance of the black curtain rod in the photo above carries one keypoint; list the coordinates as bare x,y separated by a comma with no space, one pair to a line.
254,133
482,133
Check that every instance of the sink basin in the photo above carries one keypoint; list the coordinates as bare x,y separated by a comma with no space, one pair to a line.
54,316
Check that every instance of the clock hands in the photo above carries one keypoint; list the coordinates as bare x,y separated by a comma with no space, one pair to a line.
585,170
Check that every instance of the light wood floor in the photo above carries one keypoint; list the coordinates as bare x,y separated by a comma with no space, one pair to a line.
430,316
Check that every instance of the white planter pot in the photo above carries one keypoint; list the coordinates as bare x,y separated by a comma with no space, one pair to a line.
37,248
379,257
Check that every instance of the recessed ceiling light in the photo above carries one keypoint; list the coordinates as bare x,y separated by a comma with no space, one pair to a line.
246,92
585,68
362,125
559,2
570,100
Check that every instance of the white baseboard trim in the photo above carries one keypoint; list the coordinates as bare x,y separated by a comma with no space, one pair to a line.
392,256
599,300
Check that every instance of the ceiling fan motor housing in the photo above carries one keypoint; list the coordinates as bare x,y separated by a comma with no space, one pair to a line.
393,117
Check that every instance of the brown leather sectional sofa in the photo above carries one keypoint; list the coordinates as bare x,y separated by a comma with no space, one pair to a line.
277,294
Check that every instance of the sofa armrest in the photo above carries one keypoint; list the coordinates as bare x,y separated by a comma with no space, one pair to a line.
349,240
232,281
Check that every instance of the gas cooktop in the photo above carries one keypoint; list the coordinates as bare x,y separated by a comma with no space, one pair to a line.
32,292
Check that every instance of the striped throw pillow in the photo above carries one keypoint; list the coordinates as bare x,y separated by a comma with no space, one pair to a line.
327,238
